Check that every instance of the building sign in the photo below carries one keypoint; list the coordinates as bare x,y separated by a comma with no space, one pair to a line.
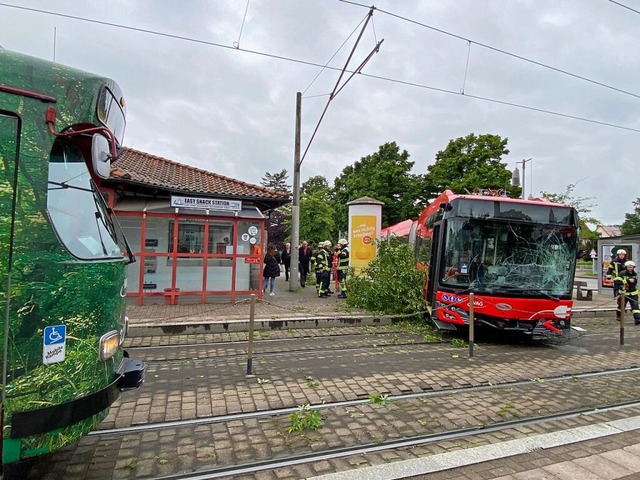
206,203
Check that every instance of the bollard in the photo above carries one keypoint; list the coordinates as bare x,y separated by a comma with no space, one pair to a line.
471,324
621,305
252,312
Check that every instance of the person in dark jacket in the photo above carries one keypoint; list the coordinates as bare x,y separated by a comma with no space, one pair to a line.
271,270
304,255
630,291
285,258
616,267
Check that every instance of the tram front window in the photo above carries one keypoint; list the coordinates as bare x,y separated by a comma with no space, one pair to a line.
503,257
77,210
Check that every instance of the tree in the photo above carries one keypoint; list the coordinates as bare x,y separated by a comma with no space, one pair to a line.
470,163
315,184
631,224
385,176
316,210
276,181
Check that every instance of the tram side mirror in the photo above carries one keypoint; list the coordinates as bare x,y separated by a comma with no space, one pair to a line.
101,155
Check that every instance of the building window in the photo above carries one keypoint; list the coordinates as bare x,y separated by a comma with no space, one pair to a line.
191,237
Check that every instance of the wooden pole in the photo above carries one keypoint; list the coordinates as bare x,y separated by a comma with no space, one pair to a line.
621,302
252,312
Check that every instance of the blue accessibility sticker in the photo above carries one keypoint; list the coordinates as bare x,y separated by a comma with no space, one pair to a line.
55,335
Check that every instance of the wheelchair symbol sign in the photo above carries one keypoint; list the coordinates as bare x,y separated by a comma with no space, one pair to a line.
54,343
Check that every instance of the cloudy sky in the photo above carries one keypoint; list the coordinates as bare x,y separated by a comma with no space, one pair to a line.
212,83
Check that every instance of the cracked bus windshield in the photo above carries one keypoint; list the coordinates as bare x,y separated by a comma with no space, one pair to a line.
497,256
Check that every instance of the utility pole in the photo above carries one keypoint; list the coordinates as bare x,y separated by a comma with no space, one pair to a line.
515,178
294,281
297,160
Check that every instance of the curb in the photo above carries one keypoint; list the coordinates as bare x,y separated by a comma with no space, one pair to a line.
193,327
231,326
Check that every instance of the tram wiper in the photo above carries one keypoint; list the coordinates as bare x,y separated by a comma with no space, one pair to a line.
65,185
104,248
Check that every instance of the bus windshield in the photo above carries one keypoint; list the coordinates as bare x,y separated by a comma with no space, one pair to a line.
498,256
78,211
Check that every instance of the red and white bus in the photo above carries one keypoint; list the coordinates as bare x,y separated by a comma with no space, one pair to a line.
516,256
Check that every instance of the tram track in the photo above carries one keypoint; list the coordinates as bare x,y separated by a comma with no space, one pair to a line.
349,403
250,468
370,403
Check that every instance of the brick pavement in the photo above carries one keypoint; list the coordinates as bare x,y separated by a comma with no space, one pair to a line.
608,457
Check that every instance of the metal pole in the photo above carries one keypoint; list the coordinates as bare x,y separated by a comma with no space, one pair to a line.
471,324
621,302
295,210
252,312
524,176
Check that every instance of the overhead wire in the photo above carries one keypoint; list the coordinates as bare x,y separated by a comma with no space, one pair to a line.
625,6
244,18
314,64
334,55
498,50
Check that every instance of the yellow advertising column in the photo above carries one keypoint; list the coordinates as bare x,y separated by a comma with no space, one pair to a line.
365,219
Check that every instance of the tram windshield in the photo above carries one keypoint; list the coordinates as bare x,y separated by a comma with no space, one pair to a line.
78,211
503,257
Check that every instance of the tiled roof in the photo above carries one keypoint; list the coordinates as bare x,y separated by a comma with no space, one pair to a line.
609,230
134,166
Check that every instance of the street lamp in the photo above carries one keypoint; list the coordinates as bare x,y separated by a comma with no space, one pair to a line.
515,176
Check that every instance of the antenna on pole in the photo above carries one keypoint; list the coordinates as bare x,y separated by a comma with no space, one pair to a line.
55,31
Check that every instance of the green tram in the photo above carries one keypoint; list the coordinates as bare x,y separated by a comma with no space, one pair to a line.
63,256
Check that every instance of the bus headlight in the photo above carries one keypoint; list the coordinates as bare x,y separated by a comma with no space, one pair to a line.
109,344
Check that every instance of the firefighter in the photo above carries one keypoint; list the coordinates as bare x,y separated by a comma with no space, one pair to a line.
616,267
343,267
629,279
323,269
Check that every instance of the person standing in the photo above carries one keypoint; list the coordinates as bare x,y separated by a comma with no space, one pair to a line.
343,267
304,255
285,258
616,267
271,270
323,267
629,279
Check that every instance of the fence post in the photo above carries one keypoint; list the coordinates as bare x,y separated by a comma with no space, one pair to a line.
252,312
471,324
621,305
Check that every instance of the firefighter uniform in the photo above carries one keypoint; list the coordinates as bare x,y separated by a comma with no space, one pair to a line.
323,269
629,279
616,267
343,267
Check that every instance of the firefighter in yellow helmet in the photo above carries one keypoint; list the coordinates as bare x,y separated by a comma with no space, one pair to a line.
630,291
343,267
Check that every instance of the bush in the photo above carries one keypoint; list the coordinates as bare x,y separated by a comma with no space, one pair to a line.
391,283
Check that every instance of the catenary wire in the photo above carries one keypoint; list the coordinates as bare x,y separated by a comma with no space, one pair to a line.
244,18
314,64
334,55
498,50
625,6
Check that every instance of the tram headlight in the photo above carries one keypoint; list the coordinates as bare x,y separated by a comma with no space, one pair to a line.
109,344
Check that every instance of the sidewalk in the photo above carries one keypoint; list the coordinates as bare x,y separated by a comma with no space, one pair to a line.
295,309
